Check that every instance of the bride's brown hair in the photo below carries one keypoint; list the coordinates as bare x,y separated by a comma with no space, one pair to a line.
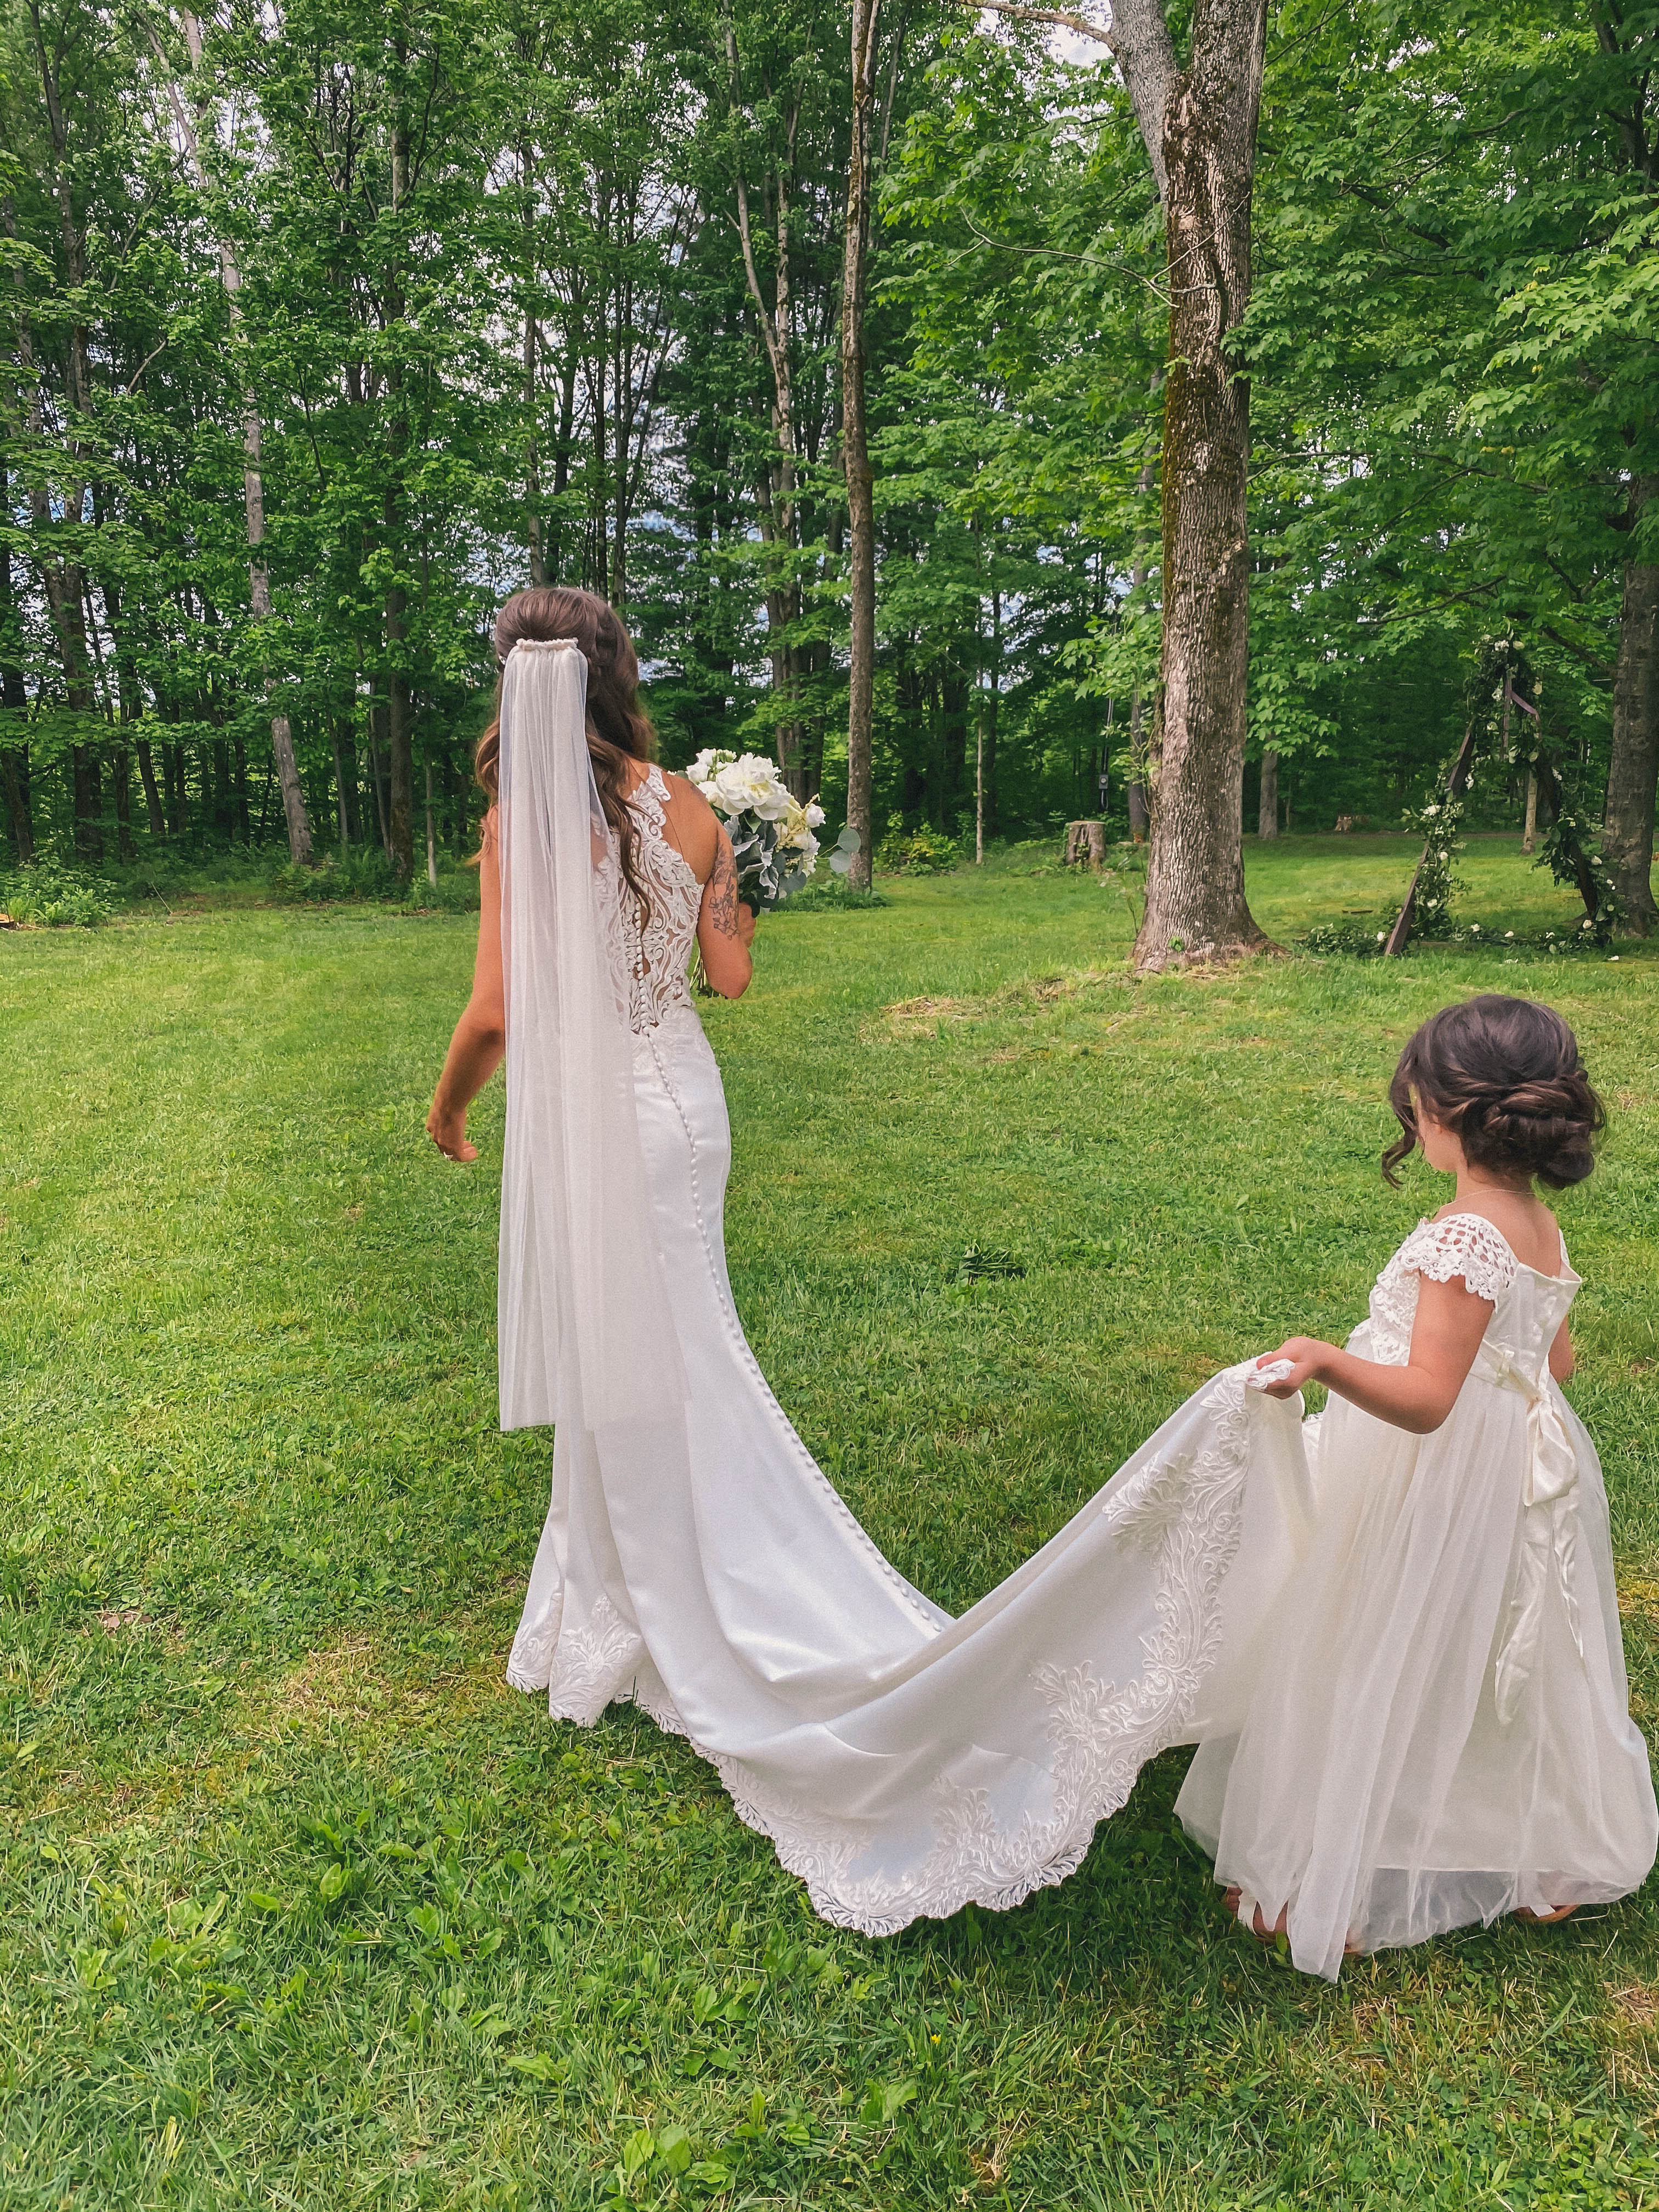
1505,1076
617,728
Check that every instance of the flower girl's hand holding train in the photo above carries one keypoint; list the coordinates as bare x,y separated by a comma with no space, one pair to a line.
1450,1323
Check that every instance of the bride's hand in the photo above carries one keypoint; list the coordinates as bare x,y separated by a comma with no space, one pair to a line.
1306,1355
447,1131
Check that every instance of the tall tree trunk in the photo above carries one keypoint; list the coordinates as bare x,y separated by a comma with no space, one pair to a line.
156,818
1195,904
993,821
121,777
1627,839
400,756
377,771
533,467
63,580
855,447
14,697
131,710
1199,127
1267,812
14,775
778,501
253,494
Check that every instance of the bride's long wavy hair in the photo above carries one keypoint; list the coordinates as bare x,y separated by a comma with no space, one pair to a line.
618,730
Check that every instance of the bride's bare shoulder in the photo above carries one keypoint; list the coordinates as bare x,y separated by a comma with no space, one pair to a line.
694,824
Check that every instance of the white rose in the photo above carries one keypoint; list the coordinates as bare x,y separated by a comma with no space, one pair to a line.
771,800
814,815
735,788
708,762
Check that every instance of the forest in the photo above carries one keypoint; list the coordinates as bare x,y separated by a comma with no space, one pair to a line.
328,325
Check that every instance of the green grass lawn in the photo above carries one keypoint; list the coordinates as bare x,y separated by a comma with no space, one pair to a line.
303,1908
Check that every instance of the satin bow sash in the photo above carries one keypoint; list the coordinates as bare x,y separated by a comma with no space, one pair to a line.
1549,1527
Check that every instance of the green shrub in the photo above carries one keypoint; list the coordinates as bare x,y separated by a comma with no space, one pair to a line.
454,892
827,890
359,876
917,851
52,892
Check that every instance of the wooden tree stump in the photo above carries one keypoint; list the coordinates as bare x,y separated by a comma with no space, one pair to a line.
1085,842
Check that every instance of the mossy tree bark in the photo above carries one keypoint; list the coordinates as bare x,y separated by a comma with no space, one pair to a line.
1199,127
855,446
1196,903
1627,838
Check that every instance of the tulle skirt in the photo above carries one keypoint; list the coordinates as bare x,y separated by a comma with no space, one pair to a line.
1373,1789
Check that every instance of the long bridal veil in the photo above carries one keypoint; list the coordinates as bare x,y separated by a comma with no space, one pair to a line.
581,1290
696,1559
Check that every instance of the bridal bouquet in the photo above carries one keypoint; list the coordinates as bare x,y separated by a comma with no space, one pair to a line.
771,832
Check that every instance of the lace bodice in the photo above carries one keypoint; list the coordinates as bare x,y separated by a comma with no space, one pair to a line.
656,956
1529,1307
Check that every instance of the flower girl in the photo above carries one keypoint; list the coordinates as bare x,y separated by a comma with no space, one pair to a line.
1438,1731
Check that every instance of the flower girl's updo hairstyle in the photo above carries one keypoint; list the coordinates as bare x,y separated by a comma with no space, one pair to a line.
1505,1075
617,729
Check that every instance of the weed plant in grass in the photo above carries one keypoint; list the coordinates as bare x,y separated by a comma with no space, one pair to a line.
302,1907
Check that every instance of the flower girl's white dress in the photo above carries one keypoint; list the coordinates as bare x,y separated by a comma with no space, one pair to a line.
696,1560
1439,1729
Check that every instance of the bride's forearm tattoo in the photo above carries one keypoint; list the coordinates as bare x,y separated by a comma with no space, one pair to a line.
723,892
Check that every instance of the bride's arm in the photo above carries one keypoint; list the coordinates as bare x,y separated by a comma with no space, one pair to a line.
726,927
480,1039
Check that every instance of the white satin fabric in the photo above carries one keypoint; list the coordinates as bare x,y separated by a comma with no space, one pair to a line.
1439,1730
697,1560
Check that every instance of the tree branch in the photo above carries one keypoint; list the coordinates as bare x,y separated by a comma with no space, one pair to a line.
1138,40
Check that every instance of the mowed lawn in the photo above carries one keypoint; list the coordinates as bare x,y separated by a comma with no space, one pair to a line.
302,1907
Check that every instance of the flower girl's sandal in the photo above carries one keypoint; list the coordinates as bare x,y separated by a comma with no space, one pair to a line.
1544,1919
1234,1900
1248,1913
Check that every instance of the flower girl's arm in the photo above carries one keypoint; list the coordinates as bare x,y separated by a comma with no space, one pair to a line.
726,927
1445,1337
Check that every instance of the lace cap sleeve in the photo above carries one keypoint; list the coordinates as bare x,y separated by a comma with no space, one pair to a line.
1463,1244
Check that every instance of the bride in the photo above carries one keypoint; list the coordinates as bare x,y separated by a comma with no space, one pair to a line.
695,1558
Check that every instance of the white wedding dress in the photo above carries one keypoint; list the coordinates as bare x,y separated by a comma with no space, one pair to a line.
695,1559
1439,1729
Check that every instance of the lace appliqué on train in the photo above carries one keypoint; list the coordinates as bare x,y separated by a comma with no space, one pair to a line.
1184,1510
1462,1244
582,1668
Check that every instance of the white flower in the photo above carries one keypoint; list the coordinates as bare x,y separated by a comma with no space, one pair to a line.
1587,923
752,786
1474,929
1381,936
1613,955
708,763
814,815
1429,813
1508,933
